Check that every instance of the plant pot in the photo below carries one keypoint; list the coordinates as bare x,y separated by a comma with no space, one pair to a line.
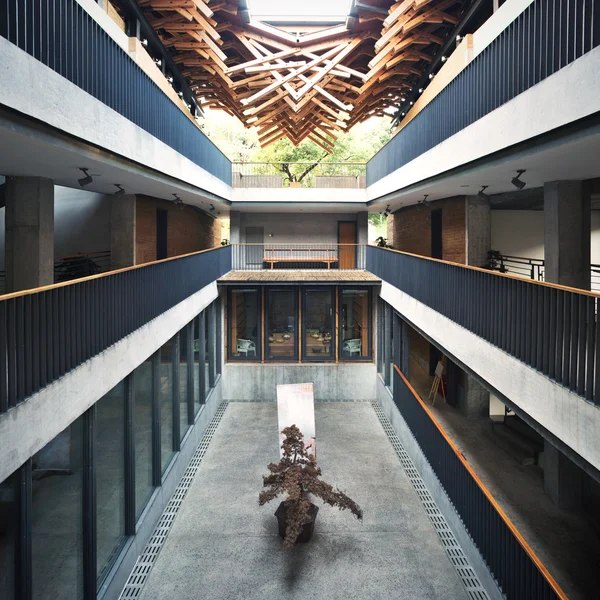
307,528
294,184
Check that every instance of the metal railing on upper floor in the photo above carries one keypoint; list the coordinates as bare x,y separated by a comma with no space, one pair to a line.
551,328
47,332
535,268
517,570
64,37
544,38
75,266
299,174
256,257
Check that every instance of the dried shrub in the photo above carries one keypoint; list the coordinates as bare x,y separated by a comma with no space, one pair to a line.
297,475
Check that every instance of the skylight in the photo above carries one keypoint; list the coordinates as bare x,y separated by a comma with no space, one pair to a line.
299,11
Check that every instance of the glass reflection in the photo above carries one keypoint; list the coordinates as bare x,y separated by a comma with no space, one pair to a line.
165,398
8,536
244,324
318,324
281,315
354,326
142,378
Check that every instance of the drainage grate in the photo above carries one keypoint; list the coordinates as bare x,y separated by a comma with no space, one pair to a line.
144,564
455,553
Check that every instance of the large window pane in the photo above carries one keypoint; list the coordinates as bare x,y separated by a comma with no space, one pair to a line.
56,518
355,330
207,348
110,477
196,364
183,381
317,316
244,324
166,399
281,324
142,381
8,536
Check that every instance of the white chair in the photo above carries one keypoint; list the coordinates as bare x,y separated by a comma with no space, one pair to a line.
353,346
245,346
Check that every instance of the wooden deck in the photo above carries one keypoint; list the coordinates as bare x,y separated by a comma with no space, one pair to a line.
300,275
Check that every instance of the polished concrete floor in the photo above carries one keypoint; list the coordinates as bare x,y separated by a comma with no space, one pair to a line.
567,542
224,546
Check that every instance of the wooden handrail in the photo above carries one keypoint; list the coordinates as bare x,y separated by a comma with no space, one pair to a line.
496,273
532,555
99,275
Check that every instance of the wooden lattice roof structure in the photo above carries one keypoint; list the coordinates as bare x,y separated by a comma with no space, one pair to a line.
302,81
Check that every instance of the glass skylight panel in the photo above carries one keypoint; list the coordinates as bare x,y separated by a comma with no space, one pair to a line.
307,10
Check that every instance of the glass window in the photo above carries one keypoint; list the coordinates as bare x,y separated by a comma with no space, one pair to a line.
281,339
318,343
196,364
244,324
218,337
207,350
110,477
142,382
355,324
184,375
166,401
8,536
56,517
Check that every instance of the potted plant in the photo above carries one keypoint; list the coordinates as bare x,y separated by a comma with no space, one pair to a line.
297,475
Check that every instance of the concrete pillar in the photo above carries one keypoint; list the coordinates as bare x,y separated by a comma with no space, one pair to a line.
563,479
123,231
567,218
390,230
476,399
235,219
29,240
362,227
478,230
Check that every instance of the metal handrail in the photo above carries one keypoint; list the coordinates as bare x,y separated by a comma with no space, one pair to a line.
47,332
552,328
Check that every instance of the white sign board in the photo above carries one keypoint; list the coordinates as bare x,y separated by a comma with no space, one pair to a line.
296,406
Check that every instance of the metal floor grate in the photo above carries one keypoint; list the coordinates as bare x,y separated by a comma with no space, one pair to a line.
455,553
144,564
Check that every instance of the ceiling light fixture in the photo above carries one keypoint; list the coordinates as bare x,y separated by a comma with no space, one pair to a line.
482,193
120,191
516,181
85,180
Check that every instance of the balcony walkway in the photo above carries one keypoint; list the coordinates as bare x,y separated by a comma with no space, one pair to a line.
222,545
301,275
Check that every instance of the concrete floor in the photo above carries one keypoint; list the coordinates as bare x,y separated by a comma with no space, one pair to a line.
565,541
224,546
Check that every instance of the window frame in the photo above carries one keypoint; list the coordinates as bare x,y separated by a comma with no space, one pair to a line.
294,291
369,356
332,353
259,319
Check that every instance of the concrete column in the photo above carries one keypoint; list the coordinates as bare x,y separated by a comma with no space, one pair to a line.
235,218
478,230
567,218
390,230
29,241
476,400
362,227
563,479
123,231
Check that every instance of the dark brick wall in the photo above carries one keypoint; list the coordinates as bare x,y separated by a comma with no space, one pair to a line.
188,230
411,229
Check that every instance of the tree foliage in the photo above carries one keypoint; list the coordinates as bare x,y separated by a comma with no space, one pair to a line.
297,476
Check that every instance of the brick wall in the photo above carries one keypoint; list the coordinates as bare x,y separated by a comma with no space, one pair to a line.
411,229
188,230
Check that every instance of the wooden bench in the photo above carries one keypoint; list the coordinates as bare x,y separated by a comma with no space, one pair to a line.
312,255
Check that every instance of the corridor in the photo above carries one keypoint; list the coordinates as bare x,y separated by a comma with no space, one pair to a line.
223,545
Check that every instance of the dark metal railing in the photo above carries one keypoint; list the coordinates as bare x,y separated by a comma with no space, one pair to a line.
535,268
551,328
46,333
64,37
256,257
299,174
514,565
76,266
546,37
